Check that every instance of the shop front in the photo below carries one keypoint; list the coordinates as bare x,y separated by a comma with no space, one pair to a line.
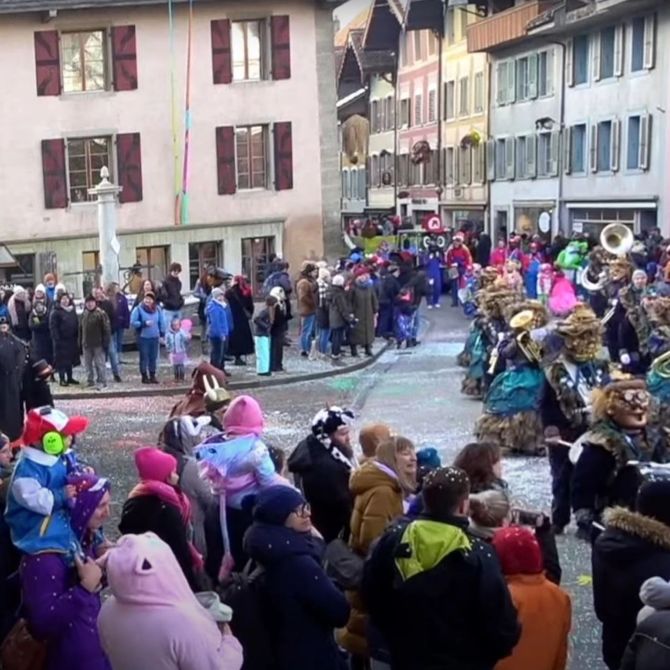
591,218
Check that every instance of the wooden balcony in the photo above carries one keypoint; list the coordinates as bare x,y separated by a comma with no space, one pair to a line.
505,27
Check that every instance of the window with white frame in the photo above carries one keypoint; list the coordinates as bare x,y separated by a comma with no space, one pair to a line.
251,153
578,149
505,77
86,156
464,96
450,101
521,156
84,55
375,178
418,109
522,79
479,92
404,112
545,73
500,158
608,53
638,142
389,113
432,106
548,145
247,50
643,43
580,60
449,165
603,146
362,182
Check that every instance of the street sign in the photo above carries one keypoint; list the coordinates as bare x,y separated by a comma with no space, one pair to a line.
433,224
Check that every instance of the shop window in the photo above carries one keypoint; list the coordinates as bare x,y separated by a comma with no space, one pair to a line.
256,252
154,262
202,255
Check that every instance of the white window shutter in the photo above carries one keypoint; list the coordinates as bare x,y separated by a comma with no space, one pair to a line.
467,165
531,156
532,76
593,148
550,71
570,62
500,83
554,150
509,158
645,141
457,165
595,47
567,150
618,50
490,159
650,42
615,145
511,82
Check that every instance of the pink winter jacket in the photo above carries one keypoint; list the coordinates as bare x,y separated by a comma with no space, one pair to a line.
153,620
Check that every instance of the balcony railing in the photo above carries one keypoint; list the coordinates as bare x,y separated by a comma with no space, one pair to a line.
505,27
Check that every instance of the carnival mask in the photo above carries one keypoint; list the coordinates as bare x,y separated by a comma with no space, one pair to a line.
628,408
620,269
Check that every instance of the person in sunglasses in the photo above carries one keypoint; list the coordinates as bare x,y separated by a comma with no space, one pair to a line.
303,606
607,469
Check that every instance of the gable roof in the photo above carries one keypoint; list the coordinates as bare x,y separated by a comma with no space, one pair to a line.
357,23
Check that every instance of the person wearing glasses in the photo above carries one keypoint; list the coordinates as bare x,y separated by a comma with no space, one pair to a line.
303,605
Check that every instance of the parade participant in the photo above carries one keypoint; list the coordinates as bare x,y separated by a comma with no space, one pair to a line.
634,326
543,609
303,605
238,466
379,488
512,277
61,600
532,273
460,613
603,474
545,282
179,438
620,273
511,405
10,596
566,404
12,362
35,390
458,258
658,376
562,298
634,546
434,274
322,465
572,259
499,255
39,497
157,504
152,613
516,253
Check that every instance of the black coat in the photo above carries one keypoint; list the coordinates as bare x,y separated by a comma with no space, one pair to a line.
64,328
303,605
483,252
40,342
12,362
389,288
455,612
632,549
149,513
170,294
240,343
649,648
325,483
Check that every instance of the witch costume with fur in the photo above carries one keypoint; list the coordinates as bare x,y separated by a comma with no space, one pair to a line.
658,376
511,417
634,328
486,330
38,507
237,464
607,457
566,405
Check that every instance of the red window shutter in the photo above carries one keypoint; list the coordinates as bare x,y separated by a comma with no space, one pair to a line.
47,62
124,58
281,47
225,160
222,62
55,177
283,156
129,157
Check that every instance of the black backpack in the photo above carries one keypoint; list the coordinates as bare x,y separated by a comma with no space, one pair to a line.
244,593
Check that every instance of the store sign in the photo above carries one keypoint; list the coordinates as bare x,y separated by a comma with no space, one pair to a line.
433,224
544,222
577,227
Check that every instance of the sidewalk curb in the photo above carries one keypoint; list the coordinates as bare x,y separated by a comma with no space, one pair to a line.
152,391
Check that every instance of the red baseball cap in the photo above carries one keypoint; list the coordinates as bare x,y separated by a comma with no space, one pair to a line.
43,420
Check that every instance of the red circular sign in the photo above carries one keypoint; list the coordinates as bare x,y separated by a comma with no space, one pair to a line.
433,224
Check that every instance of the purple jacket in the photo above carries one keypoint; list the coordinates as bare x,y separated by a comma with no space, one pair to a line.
121,313
62,613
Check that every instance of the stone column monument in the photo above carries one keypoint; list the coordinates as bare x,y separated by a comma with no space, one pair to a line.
107,193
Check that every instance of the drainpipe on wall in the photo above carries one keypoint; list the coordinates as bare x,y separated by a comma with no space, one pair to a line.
561,151
492,229
438,188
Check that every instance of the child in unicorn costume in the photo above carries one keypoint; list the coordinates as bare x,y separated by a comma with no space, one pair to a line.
238,465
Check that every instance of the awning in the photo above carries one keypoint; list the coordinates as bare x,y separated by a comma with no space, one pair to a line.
624,204
7,260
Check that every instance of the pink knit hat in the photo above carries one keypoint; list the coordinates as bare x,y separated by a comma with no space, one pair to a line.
154,465
244,417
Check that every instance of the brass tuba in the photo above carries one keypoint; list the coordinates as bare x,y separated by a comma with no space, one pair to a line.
617,239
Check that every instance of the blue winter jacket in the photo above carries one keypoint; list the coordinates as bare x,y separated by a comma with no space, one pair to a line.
140,315
219,320
37,512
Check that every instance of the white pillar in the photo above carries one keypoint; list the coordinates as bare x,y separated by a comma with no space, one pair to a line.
107,193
